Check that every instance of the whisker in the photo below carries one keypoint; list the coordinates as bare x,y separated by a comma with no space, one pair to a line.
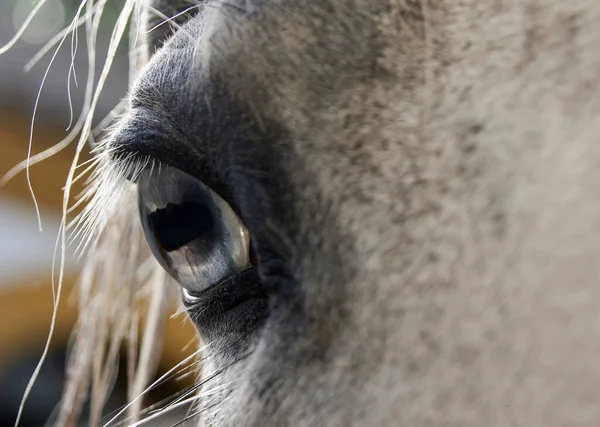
54,40
110,117
171,19
71,72
87,162
23,27
184,398
167,376
195,414
157,415
157,382
91,12
31,128
194,398
149,409
114,42
57,294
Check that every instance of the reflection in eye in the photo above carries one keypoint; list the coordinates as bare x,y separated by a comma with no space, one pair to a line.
193,233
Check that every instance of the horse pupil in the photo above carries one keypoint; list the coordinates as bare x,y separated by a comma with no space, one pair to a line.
176,225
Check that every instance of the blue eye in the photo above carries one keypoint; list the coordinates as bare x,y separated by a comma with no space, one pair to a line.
192,232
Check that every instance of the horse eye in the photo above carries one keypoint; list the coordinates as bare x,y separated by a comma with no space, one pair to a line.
193,233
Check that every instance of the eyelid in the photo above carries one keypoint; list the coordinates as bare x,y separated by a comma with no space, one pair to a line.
135,164
137,156
144,136
189,299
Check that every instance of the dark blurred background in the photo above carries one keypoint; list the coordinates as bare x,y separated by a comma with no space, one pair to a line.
25,252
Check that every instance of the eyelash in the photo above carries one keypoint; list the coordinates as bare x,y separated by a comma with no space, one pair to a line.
108,186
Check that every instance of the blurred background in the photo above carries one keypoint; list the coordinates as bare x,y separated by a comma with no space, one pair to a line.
25,252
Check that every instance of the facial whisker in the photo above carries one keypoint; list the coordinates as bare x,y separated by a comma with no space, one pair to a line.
170,19
155,384
180,403
195,414
149,409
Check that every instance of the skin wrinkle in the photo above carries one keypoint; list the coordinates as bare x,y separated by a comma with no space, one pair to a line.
420,183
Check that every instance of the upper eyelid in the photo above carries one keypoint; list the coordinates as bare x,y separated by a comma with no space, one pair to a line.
123,153
135,165
146,136
132,147
139,131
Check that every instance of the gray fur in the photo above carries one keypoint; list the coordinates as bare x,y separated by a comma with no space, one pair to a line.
432,179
